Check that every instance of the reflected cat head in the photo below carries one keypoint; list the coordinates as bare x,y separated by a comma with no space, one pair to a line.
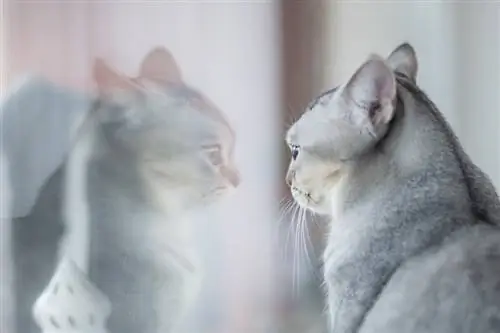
182,144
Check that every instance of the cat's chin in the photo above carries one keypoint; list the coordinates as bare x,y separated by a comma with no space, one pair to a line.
320,210
196,201
316,209
214,196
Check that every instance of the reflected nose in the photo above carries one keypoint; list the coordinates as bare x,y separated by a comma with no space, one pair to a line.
232,176
289,177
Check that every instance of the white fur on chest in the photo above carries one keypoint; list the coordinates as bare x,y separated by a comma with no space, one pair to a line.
169,243
337,199
343,239
348,229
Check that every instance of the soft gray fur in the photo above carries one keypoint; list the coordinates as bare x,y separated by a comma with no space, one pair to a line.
413,239
452,288
155,149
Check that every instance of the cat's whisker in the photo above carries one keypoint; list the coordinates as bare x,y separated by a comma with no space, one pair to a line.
308,245
295,252
284,216
290,214
293,210
283,201
302,232
302,236
294,257
284,209
300,244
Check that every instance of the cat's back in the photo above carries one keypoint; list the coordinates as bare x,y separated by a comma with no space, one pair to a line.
450,289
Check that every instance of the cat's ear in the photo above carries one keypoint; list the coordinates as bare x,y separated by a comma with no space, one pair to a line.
404,60
160,65
108,79
370,93
111,84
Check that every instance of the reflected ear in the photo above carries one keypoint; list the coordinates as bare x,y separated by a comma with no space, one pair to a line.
160,65
108,79
370,93
109,82
404,60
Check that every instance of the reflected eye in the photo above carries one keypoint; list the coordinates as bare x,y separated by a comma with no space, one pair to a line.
295,151
214,153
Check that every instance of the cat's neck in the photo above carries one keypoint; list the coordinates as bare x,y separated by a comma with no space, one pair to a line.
123,217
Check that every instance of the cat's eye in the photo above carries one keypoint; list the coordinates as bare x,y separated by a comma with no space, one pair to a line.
214,153
295,151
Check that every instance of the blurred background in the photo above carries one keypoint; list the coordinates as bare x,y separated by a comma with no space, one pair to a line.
262,62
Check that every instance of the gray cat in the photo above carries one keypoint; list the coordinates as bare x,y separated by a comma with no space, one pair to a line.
151,149
414,244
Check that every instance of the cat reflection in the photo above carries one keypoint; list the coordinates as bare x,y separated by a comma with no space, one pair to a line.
152,148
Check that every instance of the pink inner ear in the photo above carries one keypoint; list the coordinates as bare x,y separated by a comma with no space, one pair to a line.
373,81
160,65
108,79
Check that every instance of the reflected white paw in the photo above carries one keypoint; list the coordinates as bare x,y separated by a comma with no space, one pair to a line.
71,303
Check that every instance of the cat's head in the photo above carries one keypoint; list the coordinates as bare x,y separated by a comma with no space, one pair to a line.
180,141
342,125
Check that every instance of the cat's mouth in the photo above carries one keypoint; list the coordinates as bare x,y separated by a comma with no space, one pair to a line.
314,203
215,193
303,197
220,191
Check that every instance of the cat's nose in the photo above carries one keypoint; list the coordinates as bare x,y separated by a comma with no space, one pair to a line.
235,179
233,176
289,177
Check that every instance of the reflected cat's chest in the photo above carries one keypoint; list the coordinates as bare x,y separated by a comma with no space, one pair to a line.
157,242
